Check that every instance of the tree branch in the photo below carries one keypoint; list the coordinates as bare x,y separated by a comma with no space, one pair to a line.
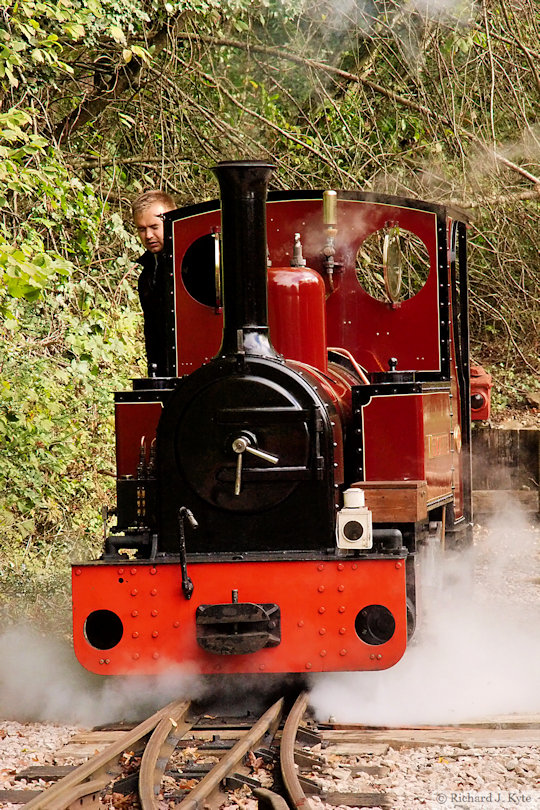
500,199
280,53
98,162
123,77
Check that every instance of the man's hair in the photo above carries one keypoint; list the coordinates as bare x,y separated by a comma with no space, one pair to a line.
148,198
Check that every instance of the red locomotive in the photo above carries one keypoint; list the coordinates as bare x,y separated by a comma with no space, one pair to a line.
275,485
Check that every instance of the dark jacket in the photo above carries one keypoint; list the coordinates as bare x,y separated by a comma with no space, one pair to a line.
152,293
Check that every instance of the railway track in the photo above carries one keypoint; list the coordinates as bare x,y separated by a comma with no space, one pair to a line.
191,781
178,759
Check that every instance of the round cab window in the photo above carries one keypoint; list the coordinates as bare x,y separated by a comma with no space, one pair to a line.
200,267
392,264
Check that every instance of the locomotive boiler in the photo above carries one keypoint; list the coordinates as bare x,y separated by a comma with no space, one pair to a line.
311,431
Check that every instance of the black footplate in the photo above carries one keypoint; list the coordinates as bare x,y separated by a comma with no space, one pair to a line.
238,628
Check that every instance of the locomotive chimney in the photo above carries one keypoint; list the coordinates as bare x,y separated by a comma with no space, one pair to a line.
243,187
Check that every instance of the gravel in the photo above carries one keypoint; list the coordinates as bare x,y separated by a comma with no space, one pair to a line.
445,776
24,745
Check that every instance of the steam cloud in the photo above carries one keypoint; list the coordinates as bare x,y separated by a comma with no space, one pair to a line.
364,16
41,681
477,653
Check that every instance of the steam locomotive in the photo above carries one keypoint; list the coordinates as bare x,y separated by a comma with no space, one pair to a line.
310,433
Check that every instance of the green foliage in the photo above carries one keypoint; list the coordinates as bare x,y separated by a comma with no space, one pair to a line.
511,389
70,331
58,374
34,38
26,266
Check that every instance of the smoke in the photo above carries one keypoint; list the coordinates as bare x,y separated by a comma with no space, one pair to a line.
526,147
485,161
41,681
477,651
369,16
457,10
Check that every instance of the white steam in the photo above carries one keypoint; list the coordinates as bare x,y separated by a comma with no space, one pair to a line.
461,10
367,18
40,680
477,652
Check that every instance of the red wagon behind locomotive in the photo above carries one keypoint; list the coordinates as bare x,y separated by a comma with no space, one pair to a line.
275,486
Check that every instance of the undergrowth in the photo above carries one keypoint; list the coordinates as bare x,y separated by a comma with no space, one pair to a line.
60,362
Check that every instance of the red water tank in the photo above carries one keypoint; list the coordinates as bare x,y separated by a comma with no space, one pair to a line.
297,314
481,386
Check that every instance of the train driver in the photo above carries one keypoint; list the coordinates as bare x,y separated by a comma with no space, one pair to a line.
148,209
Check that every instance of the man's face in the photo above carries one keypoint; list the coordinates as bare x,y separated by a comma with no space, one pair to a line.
149,226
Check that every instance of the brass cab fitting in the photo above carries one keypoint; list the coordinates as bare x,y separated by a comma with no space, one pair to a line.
330,220
330,207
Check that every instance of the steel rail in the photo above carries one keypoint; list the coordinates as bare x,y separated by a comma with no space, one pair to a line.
288,767
92,776
268,723
75,797
157,753
269,800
